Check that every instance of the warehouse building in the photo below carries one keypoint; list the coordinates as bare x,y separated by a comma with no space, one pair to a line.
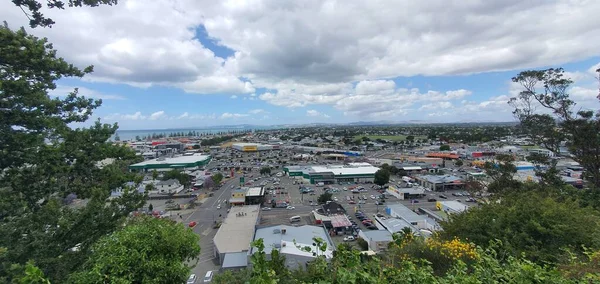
253,147
232,241
192,162
330,174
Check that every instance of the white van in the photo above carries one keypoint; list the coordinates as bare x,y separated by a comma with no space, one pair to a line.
208,277
295,219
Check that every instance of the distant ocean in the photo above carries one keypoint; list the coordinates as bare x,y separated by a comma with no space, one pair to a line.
131,134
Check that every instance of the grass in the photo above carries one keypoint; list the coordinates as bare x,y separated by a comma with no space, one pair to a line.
391,137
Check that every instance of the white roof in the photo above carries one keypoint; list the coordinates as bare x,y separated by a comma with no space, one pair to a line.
236,232
454,205
246,144
176,160
339,170
290,248
254,191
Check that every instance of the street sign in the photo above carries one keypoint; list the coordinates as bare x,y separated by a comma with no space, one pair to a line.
241,179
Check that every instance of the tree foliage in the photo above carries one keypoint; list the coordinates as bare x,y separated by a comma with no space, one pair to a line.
324,197
217,178
147,250
43,161
579,130
530,222
445,147
265,171
382,177
33,8
180,176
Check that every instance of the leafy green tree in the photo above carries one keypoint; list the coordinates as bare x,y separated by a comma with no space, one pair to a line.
265,171
117,138
33,8
323,198
362,244
182,177
382,177
445,147
579,129
458,163
531,223
147,250
502,174
43,160
137,138
217,178
154,174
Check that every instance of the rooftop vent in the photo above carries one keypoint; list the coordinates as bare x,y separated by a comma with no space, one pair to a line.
276,231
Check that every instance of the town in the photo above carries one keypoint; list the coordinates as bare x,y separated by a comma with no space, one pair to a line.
346,184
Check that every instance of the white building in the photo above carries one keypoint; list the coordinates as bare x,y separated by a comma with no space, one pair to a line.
233,238
290,240
452,206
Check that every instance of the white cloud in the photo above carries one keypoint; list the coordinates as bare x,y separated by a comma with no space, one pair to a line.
184,115
117,117
257,111
63,91
435,106
228,115
303,52
233,97
315,113
157,115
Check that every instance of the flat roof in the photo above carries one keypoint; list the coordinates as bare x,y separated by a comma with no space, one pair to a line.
394,225
303,236
246,144
184,161
440,179
255,191
235,260
406,213
342,170
454,205
237,230
412,168
379,235
339,221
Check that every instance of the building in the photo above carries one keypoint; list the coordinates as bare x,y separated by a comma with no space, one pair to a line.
253,147
238,196
195,161
330,174
410,217
443,155
290,240
255,195
451,206
440,183
170,186
236,233
403,193
378,240
395,225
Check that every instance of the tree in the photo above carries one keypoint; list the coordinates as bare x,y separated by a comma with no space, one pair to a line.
323,198
458,163
154,174
579,130
265,171
183,178
445,147
530,222
217,178
137,138
208,183
32,9
43,160
410,138
117,138
150,207
147,250
381,177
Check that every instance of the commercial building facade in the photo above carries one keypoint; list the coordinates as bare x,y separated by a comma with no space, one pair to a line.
253,147
191,162
330,174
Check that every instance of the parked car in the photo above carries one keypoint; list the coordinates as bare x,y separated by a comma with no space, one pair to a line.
266,209
431,200
349,239
372,227
290,208
191,279
443,196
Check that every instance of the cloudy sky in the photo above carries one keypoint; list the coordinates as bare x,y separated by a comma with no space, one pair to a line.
192,63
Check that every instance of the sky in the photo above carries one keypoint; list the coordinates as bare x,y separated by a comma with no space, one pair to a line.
192,63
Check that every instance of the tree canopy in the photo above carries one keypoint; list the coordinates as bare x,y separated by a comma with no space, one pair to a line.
45,162
382,177
146,250
33,8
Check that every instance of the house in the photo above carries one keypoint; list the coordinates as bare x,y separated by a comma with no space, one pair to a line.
378,240
170,186
290,241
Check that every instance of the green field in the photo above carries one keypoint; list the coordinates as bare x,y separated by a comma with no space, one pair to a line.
391,138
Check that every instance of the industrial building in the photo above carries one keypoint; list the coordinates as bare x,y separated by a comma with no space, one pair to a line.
330,174
189,162
290,241
410,217
451,206
232,241
253,147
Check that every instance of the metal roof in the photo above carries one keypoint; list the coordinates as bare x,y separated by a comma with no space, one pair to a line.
237,230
